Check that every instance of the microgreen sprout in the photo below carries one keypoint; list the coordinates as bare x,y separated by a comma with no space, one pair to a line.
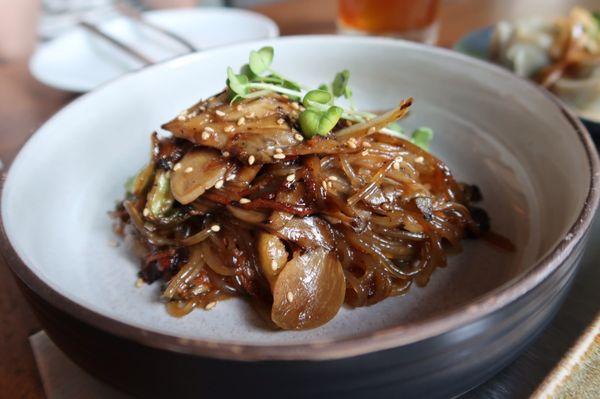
422,137
321,114
339,87
316,122
260,61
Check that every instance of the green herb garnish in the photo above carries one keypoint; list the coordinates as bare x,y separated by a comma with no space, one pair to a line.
257,78
422,137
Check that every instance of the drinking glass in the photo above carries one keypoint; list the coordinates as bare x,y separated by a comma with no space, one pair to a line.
408,19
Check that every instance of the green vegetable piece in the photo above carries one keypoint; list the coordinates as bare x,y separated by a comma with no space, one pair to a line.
314,122
137,184
422,137
160,200
340,84
261,60
238,84
317,96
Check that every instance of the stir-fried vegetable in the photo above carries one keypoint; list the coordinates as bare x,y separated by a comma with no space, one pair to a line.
309,291
277,194
160,198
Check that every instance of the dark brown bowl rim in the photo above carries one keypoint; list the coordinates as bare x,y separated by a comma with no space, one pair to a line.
353,346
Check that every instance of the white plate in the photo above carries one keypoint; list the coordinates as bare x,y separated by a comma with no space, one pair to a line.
79,61
492,129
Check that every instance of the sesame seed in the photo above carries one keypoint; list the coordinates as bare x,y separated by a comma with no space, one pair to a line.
250,115
229,128
239,107
200,289
219,184
146,212
298,137
205,135
279,156
139,283
225,153
219,112
366,144
189,169
280,121
251,160
396,165
419,159
202,108
177,166
295,105
241,121
333,178
149,226
371,130
244,201
181,117
365,152
210,305
209,129
290,296
278,150
291,177
324,184
274,265
352,142
329,184
216,228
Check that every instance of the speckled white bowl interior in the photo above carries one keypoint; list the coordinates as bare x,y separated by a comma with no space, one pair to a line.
492,129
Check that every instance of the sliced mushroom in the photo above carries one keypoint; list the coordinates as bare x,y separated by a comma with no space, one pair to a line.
198,171
272,255
244,128
309,290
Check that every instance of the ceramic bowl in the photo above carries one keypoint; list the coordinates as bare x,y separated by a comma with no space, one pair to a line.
532,159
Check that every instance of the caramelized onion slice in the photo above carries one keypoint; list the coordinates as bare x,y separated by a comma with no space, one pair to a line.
272,255
308,232
198,171
379,122
309,290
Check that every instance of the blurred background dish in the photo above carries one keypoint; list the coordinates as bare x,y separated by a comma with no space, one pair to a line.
79,61
561,54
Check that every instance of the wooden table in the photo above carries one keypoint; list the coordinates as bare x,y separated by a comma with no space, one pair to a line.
25,104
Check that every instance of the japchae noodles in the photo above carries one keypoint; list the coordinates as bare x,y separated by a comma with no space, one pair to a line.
297,204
